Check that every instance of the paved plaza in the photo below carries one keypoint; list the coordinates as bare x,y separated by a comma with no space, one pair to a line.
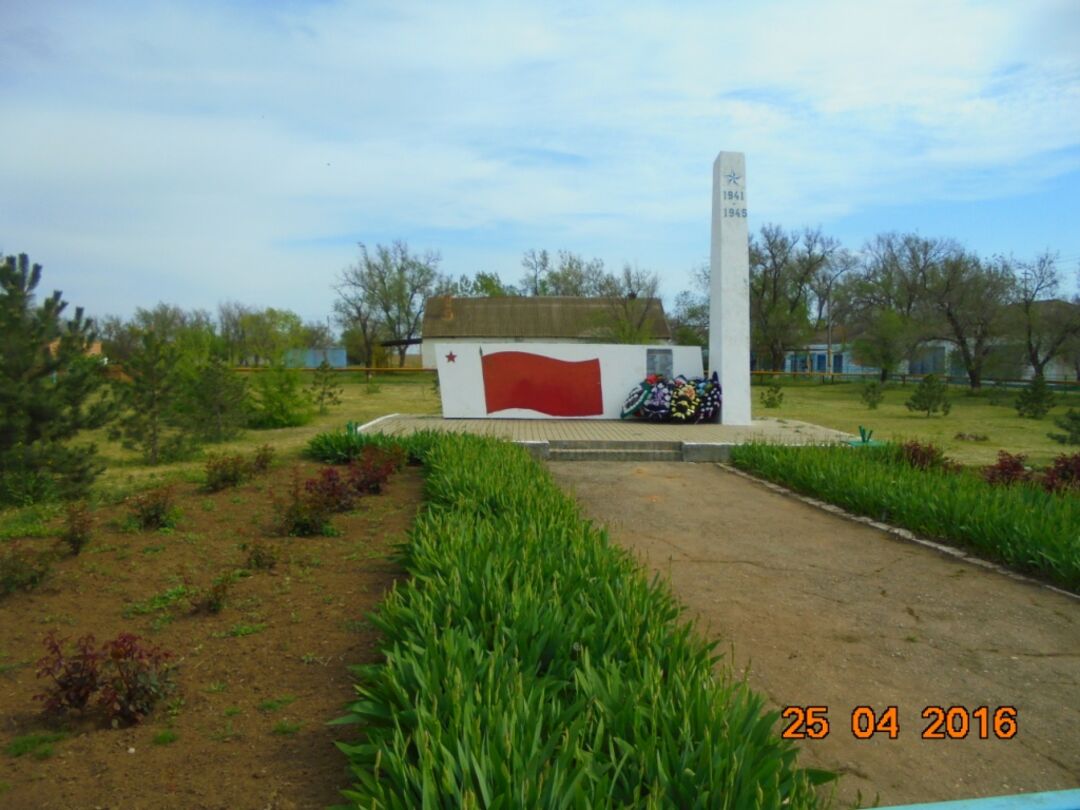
580,439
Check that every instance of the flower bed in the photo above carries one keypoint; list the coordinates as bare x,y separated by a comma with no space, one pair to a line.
1022,525
529,663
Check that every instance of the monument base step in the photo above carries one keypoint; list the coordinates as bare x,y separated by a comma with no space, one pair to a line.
608,444
614,454
588,450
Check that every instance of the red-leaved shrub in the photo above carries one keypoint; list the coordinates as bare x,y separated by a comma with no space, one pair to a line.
225,471
128,677
1063,474
262,458
154,509
373,468
334,492
1008,470
924,456
139,677
76,676
300,513
78,526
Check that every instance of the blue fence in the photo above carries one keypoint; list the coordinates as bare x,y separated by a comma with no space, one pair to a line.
313,358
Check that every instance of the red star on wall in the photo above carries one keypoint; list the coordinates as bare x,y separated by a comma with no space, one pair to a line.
450,358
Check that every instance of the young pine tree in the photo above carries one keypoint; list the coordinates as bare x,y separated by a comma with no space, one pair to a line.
1036,400
324,390
48,391
214,401
931,395
872,394
150,417
280,401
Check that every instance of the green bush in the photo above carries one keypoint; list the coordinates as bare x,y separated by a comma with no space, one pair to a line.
341,447
214,401
22,484
1070,423
224,471
931,395
1020,525
772,396
22,569
530,661
872,394
280,401
1036,400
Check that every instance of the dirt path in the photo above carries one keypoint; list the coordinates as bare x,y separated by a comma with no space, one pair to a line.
828,612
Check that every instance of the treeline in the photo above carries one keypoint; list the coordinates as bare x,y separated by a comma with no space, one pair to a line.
897,295
238,334
379,310
169,384
381,296
175,391
891,300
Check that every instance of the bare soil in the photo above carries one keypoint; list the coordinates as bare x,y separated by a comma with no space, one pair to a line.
823,611
257,682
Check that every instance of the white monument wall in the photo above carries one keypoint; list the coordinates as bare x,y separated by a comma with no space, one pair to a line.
597,378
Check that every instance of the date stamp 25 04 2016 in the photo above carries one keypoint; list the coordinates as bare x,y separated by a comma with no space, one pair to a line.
941,723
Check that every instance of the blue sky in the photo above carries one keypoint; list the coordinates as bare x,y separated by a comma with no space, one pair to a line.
196,152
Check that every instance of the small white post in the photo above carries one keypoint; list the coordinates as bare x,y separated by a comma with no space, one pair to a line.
729,294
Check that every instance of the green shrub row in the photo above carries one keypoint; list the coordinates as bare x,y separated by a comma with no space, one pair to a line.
1021,525
343,446
529,663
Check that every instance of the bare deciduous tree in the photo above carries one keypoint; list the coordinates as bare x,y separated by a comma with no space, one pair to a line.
782,266
387,291
972,298
1046,322
632,298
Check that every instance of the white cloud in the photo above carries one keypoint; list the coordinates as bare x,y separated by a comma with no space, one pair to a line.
218,151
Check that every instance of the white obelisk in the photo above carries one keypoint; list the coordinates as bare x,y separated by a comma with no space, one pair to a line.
729,294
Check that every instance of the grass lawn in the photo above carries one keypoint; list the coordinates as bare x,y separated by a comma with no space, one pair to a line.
839,406
404,393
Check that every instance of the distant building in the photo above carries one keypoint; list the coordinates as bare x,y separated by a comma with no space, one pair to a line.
533,319
1007,360
819,357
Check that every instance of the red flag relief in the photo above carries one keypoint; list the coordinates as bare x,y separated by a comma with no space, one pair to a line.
544,384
